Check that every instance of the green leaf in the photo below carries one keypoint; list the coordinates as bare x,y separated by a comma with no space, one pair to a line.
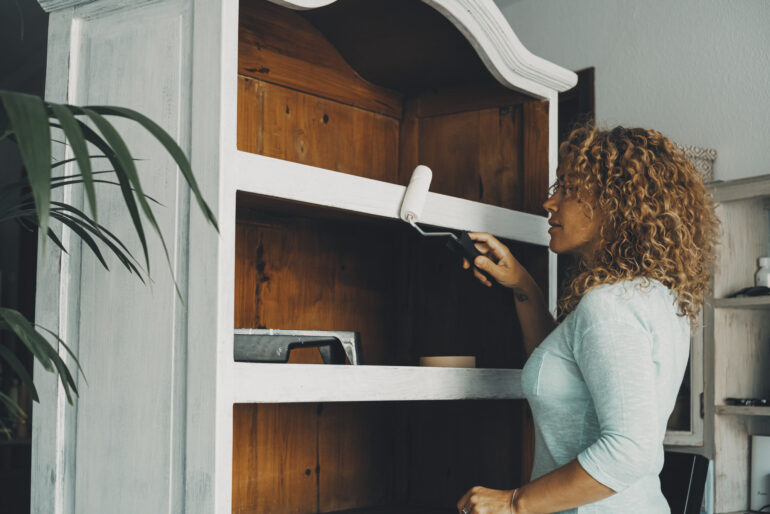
84,236
125,187
8,356
126,165
12,406
42,350
29,123
78,143
5,125
67,348
18,324
107,237
56,240
169,144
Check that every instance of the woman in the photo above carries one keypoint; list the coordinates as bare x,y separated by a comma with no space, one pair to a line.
602,382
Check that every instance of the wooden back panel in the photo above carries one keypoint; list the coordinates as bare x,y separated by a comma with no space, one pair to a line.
483,142
299,100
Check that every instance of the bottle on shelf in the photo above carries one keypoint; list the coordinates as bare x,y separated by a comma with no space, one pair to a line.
762,276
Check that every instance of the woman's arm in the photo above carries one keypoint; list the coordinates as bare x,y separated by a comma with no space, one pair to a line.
564,488
614,354
536,322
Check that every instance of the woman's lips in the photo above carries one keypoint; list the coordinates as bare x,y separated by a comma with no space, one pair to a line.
553,227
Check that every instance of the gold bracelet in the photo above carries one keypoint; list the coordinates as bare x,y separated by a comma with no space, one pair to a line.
513,497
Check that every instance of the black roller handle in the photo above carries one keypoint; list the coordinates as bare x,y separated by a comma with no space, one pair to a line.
464,246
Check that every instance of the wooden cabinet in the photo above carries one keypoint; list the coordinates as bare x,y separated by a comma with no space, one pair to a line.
304,121
735,335
737,340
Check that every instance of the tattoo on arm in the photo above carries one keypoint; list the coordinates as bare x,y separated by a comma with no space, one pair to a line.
520,295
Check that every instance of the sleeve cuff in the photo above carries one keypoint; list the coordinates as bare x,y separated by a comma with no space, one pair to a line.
590,467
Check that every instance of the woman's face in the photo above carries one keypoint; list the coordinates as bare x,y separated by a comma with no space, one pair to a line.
573,228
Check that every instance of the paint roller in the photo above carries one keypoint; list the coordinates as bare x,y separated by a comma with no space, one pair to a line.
411,210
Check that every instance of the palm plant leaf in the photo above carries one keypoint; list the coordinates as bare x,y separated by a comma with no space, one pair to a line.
83,234
8,356
12,406
77,141
15,321
125,188
83,226
28,120
171,147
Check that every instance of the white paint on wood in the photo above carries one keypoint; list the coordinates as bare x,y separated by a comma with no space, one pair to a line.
154,425
739,337
274,383
302,183
58,5
553,161
745,237
731,465
750,302
741,189
742,352
485,27
128,343
303,4
742,410
53,419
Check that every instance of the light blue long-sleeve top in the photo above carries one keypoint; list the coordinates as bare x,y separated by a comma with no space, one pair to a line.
602,386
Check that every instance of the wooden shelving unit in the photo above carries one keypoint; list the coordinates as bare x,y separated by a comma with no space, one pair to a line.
736,335
741,410
303,120
756,302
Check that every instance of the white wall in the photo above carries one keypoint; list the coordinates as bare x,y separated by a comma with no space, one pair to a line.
697,70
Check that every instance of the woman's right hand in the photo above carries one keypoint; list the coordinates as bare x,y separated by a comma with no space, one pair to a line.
502,266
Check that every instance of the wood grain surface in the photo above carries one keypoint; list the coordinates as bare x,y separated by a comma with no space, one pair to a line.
277,45
298,100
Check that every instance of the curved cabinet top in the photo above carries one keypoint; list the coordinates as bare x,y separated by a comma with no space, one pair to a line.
490,34
482,24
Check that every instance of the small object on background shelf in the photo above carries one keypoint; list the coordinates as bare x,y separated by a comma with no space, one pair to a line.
762,276
751,291
449,361
270,345
747,402
702,159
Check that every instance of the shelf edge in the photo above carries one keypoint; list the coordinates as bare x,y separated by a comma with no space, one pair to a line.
296,383
292,181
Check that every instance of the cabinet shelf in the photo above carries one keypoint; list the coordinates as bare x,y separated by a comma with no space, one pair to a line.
742,410
753,302
397,509
296,383
290,181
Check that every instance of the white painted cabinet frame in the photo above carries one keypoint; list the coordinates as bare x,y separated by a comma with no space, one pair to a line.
152,429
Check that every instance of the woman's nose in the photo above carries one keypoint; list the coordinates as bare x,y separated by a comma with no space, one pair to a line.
551,205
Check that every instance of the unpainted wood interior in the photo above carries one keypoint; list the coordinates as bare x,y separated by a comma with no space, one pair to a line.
308,268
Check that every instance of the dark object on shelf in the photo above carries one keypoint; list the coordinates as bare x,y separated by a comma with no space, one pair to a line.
269,345
683,481
751,291
748,402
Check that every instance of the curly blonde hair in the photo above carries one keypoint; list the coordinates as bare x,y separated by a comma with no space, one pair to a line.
658,221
